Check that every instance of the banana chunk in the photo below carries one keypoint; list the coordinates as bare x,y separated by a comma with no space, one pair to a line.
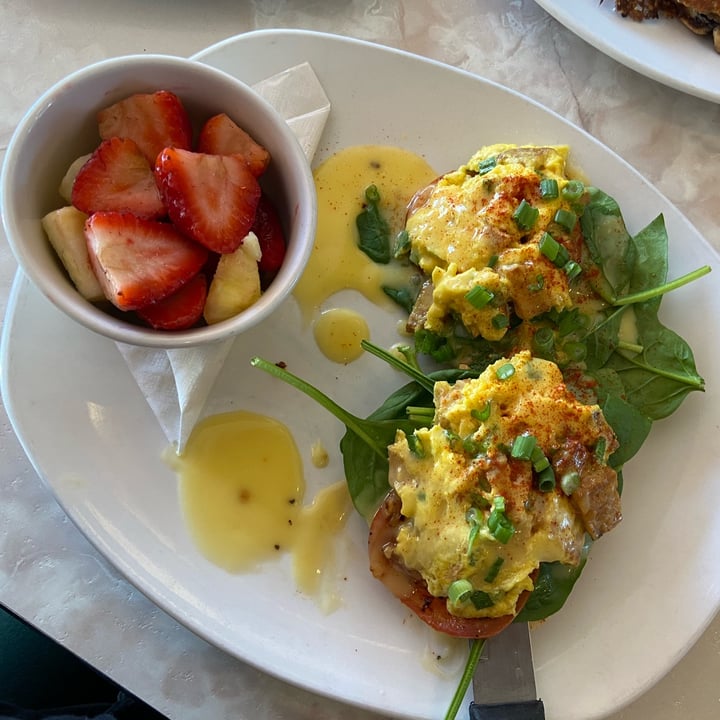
65,230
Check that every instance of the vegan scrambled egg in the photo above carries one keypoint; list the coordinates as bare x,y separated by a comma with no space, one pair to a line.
496,236
513,472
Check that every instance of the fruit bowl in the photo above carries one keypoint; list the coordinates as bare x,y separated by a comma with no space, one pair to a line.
63,129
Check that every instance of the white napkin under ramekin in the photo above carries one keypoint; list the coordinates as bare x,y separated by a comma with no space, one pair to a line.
176,383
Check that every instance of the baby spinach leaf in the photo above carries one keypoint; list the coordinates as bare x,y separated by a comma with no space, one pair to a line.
651,258
630,426
608,243
658,379
373,228
366,473
403,297
553,585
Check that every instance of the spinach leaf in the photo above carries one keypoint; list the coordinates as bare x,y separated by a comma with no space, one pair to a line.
630,426
608,243
373,228
401,296
366,473
553,585
658,372
651,259
658,379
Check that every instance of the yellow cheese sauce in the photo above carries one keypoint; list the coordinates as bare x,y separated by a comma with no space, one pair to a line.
338,333
242,490
337,263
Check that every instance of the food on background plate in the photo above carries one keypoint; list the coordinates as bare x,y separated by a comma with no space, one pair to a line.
149,214
700,16
536,374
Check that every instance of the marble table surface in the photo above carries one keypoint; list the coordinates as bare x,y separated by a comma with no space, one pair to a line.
49,574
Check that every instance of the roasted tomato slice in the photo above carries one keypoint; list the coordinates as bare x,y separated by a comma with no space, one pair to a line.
411,589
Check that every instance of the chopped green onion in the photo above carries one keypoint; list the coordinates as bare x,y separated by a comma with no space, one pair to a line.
570,482
453,438
543,341
498,522
503,532
492,262
538,459
600,449
572,269
573,190
500,321
523,446
549,188
549,246
506,371
566,219
538,285
479,296
487,165
546,479
494,569
480,599
459,591
525,215
415,445
420,413
472,446
482,415
473,517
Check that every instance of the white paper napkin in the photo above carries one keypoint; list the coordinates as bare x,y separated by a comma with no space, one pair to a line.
176,383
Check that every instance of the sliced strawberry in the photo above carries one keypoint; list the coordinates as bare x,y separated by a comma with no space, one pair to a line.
270,234
210,198
178,311
221,136
139,262
153,120
117,178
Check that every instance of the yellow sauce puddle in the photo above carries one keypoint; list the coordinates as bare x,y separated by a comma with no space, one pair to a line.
242,490
338,334
337,263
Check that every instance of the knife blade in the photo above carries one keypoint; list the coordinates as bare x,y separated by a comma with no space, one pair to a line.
504,679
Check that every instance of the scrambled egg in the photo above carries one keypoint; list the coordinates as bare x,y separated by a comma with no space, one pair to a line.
452,477
465,233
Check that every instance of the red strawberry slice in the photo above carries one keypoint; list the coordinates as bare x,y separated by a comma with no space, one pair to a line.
178,311
139,262
153,120
210,198
221,136
270,235
117,178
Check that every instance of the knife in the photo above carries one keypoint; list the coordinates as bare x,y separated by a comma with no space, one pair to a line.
504,679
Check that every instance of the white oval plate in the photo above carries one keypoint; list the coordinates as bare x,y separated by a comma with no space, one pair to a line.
664,49
651,586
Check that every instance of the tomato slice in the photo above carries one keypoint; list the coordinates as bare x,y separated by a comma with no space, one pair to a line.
411,589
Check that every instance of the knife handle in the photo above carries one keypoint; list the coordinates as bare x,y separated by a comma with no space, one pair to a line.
528,710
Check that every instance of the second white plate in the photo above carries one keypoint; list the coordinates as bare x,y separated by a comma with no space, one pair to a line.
663,49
